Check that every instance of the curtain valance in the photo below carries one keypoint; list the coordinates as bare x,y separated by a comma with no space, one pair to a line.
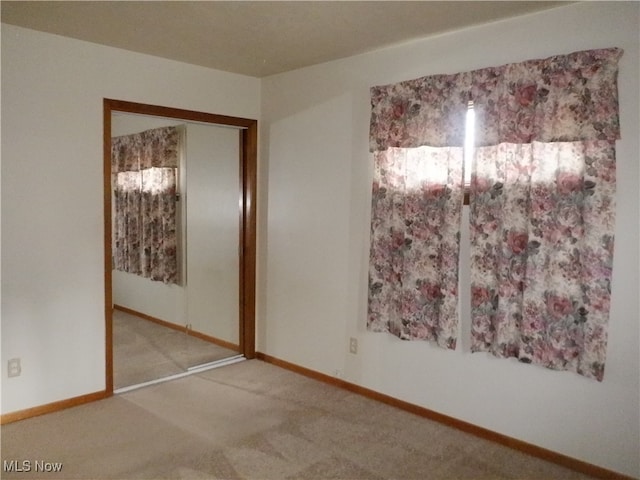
152,148
570,97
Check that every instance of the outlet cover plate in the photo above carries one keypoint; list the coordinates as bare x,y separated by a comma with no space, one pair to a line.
13,367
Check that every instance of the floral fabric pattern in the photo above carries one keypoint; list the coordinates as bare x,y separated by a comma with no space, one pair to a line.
427,111
415,236
152,148
558,99
542,208
542,222
564,98
144,191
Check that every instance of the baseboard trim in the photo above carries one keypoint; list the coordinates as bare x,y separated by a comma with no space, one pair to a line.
180,328
52,407
528,448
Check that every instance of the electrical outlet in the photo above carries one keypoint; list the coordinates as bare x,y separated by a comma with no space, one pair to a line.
13,367
353,345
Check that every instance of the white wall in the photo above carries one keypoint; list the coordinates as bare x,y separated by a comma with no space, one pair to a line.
314,255
52,196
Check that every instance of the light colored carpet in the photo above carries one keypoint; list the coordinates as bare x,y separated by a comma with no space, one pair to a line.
253,420
144,350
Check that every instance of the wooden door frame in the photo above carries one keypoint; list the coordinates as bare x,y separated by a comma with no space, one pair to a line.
248,137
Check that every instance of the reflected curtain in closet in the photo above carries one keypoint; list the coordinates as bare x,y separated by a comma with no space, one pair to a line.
144,171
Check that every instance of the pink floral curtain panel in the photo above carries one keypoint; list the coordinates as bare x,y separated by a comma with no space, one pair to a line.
416,207
542,210
415,233
144,191
542,206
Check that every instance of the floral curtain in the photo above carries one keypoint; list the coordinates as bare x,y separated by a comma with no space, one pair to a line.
144,169
415,234
542,210
542,207
416,207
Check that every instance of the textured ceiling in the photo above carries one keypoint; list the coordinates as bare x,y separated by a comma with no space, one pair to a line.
257,38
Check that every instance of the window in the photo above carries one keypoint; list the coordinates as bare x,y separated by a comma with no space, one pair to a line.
541,207
469,138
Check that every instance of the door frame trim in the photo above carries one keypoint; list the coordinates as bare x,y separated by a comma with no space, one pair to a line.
248,138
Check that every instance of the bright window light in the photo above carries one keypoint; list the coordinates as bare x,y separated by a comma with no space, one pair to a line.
469,138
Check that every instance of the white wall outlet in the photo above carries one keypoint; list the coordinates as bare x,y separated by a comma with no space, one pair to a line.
13,367
353,345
